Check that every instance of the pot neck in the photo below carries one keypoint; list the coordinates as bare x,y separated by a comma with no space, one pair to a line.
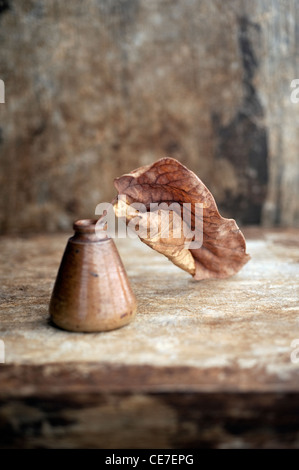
88,230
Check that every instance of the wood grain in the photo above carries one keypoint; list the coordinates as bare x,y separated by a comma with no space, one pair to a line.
196,368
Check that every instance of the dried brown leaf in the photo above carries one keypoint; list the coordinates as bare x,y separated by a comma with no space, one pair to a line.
223,250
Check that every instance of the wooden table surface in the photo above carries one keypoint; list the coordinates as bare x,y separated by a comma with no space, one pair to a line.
204,364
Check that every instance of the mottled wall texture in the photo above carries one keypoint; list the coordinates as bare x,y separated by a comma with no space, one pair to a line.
97,88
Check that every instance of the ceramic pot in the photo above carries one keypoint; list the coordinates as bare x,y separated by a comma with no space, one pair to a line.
92,290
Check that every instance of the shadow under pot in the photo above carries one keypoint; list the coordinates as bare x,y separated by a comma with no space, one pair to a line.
92,292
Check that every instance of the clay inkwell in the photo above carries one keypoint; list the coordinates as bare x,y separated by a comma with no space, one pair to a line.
92,292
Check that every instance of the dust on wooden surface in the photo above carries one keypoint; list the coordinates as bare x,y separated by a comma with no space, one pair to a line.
247,322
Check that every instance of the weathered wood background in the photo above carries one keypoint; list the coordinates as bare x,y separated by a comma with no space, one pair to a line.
96,88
